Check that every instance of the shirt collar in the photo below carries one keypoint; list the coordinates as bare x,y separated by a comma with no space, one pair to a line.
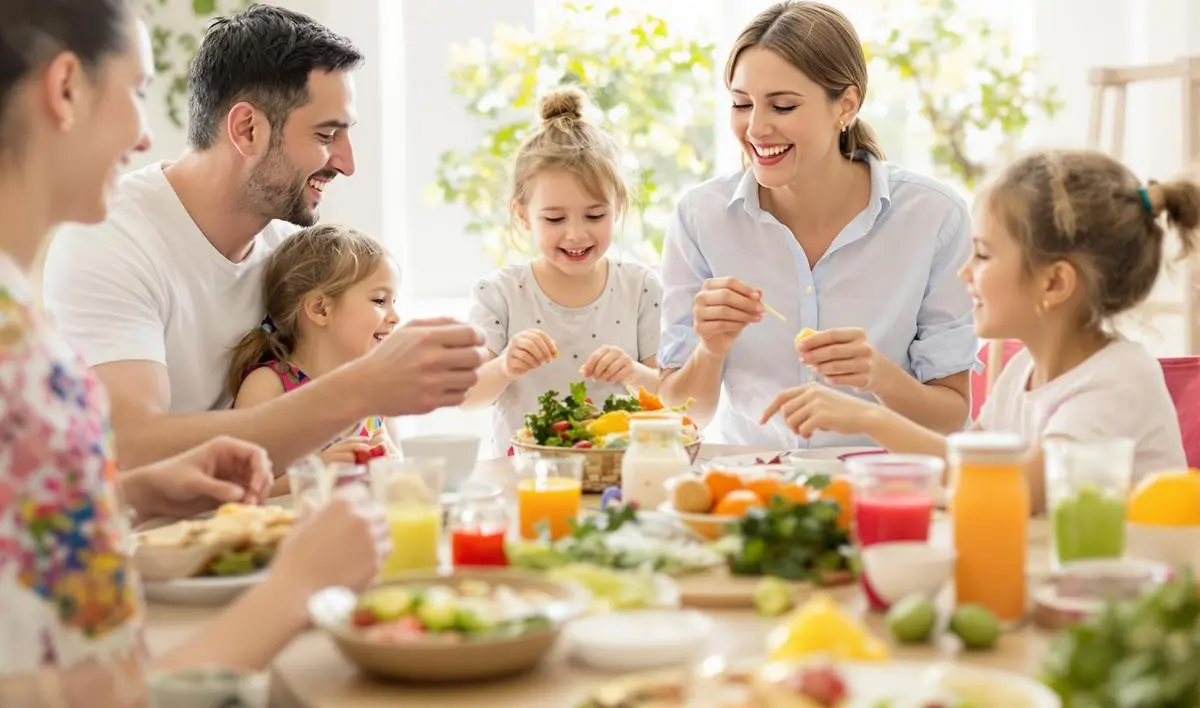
881,188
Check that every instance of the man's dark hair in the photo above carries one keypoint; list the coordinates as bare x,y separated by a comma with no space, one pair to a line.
264,56
32,32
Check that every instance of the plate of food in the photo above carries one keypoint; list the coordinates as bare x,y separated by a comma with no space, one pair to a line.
209,560
794,458
622,538
822,684
449,626
576,424
791,528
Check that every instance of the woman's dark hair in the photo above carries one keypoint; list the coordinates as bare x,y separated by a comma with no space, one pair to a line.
32,32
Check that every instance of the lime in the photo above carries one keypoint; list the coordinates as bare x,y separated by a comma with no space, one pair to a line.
976,626
772,596
912,619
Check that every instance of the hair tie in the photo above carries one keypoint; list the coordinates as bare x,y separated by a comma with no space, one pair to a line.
1145,195
267,325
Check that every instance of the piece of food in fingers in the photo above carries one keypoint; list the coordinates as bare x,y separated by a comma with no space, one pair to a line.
804,334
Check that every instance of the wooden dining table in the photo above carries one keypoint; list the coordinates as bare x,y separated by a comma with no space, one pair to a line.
311,673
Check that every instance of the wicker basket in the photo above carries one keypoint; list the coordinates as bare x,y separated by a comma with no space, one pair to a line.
601,468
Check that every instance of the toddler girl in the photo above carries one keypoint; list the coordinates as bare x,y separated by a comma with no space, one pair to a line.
1064,242
330,295
572,313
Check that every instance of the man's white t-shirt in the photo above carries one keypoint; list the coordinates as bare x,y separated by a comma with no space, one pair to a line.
147,285
510,301
1118,392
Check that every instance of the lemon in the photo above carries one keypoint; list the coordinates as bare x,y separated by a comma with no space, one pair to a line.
820,626
1167,499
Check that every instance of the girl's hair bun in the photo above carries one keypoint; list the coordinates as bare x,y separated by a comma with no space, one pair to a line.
566,102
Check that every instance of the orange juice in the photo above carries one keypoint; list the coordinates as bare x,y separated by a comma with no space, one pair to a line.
552,499
990,513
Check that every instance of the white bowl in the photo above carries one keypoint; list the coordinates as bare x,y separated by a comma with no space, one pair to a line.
1174,546
902,568
460,452
639,639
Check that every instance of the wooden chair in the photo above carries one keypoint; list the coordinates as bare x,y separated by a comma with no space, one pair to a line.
1185,71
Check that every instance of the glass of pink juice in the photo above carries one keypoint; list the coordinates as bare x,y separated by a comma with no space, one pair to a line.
894,496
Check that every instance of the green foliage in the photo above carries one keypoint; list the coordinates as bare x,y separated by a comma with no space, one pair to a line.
174,42
977,94
654,91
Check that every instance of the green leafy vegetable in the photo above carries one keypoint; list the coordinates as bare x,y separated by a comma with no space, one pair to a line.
790,541
563,422
234,563
1139,653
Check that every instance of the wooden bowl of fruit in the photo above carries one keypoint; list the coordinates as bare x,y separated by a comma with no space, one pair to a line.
463,625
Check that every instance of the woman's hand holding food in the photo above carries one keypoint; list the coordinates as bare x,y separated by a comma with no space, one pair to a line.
527,351
721,310
220,471
843,356
344,543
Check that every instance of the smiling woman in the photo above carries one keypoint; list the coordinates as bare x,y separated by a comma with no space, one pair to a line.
837,239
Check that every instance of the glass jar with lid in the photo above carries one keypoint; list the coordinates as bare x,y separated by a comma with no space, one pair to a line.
655,454
989,508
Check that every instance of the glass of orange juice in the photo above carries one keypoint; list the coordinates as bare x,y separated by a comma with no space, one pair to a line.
549,488
410,490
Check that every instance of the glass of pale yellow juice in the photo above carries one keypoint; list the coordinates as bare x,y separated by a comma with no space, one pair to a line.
410,490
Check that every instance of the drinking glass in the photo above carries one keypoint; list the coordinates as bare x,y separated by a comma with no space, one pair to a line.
303,478
549,488
894,496
410,490
1087,490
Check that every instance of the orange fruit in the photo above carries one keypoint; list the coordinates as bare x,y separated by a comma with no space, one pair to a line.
840,491
1166,499
795,493
765,487
737,503
721,483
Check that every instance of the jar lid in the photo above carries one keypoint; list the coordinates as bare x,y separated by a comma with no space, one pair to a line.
986,441
672,424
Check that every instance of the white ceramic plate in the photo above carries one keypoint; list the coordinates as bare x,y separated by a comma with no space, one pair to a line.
870,683
794,457
208,591
639,639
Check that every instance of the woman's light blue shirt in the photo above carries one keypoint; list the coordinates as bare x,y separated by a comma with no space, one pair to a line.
892,271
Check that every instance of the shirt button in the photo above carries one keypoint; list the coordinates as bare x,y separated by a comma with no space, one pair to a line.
808,290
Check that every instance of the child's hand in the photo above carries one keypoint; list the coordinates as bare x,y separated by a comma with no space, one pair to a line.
609,363
527,351
812,407
347,451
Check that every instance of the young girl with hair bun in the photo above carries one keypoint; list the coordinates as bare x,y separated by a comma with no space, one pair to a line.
572,313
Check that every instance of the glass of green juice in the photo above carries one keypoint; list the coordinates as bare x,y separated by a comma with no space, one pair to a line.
410,491
1087,489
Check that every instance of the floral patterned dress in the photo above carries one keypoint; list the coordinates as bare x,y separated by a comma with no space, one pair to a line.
68,593
292,378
